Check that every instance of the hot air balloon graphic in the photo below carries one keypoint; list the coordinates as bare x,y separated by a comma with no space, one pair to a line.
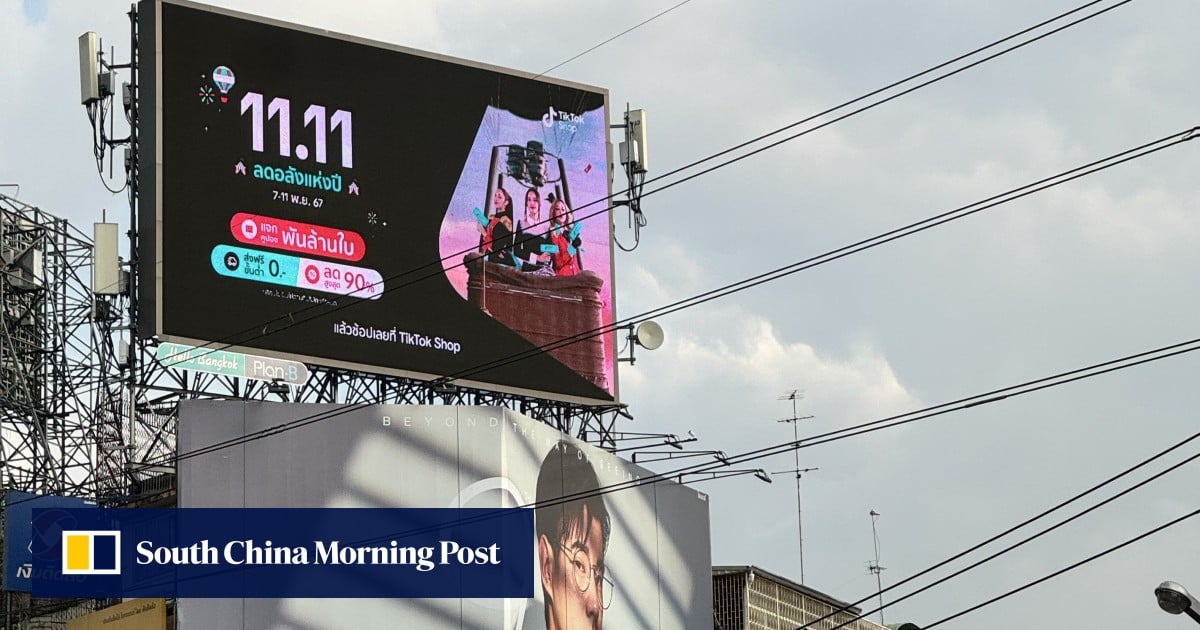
223,77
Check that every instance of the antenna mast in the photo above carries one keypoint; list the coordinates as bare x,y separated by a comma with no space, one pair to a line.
874,566
793,396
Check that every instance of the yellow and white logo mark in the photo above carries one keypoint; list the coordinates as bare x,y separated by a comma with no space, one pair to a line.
91,552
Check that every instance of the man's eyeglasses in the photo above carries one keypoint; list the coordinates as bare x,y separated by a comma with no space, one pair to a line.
585,574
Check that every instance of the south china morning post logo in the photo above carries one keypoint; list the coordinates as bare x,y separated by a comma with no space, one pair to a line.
91,552
292,552
335,552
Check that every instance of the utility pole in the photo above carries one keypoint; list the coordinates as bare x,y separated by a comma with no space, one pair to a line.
793,396
874,566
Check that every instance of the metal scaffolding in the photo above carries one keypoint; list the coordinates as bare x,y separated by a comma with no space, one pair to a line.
49,373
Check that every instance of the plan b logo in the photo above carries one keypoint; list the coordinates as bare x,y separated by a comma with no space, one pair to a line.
91,552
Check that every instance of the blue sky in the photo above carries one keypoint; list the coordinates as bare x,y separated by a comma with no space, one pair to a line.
35,10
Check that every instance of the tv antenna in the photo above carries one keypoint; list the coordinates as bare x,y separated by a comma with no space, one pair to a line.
874,567
794,395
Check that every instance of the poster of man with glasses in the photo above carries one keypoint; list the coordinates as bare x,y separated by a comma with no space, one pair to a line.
613,545
573,527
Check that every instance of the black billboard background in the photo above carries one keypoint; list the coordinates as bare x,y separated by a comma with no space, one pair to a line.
414,121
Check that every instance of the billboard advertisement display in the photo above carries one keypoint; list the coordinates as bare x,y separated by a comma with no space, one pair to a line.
365,206
20,544
633,558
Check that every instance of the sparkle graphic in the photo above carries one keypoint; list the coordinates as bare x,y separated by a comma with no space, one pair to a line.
206,95
372,218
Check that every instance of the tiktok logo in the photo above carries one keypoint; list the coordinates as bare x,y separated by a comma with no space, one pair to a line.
566,120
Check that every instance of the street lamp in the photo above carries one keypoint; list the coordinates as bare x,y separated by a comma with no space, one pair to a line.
1175,599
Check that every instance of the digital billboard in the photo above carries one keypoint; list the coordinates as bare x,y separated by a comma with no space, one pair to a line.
360,205
633,558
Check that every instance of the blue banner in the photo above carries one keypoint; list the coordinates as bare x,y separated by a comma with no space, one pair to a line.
20,545
343,553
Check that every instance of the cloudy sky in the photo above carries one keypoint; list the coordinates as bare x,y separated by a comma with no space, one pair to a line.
1085,272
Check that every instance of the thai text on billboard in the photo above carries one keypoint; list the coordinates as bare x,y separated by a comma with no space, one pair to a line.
364,206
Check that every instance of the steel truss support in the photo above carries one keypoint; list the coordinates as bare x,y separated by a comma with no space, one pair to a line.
49,376
154,412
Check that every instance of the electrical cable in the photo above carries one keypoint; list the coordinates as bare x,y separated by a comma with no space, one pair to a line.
892,235
862,615
963,403
853,112
610,39
873,105
973,401
1070,567
1022,542
968,402
847,250
894,84
231,340
841,252
844,251
994,396
97,115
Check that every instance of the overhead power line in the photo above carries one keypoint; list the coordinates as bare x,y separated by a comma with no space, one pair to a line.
614,37
1121,157
1143,150
961,404
1071,567
1063,177
908,79
290,319
1023,541
968,402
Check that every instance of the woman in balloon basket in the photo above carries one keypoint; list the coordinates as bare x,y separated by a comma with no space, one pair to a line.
564,246
496,232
